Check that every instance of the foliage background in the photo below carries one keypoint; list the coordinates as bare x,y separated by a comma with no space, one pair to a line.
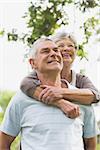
45,20
44,17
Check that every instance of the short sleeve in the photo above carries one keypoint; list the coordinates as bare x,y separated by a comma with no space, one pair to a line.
11,120
84,82
90,126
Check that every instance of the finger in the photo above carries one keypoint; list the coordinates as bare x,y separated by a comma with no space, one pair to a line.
42,93
73,113
77,110
44,86
46,96
47,100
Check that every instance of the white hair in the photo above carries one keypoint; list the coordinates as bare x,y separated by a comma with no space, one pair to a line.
34,48
63,35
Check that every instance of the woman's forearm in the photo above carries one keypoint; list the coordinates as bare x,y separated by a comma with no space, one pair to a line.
83,96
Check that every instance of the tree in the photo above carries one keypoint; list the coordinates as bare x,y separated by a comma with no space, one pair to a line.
45,16
5,97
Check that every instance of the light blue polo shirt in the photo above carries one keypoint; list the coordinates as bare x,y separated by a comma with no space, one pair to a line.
42,127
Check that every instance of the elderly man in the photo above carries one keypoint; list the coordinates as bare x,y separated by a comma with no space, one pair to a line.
85,95
42,127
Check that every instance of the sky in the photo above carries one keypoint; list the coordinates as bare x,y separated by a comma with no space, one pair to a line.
13,67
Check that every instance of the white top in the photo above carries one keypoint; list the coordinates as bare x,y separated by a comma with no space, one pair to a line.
42,127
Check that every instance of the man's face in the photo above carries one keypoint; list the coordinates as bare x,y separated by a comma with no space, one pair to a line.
48,57
68,51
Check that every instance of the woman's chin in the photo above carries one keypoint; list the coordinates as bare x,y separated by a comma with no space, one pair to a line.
68,61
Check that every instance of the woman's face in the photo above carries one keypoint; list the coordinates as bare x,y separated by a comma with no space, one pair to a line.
68,51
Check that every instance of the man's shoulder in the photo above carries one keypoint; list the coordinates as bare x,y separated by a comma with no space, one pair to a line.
20,97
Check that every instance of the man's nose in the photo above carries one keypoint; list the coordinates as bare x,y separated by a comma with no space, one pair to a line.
53,53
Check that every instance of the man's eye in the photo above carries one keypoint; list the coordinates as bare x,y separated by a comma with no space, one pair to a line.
56,50
45,51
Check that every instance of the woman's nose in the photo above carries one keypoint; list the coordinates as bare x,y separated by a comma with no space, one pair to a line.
67,48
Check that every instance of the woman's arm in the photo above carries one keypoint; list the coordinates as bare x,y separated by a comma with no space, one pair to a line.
83,82
30,86
83,96
70,109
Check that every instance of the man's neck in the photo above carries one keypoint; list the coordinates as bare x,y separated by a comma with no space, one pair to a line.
50,79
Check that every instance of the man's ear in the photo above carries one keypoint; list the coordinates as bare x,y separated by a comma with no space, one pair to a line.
32,63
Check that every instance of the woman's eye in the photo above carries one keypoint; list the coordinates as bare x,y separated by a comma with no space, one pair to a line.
71,46
61,46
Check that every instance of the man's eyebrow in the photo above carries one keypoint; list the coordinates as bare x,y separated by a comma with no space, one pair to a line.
55,47
45,48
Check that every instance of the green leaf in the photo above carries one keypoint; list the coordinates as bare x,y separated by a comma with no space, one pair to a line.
2,32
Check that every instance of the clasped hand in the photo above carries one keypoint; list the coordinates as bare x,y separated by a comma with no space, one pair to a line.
54,96
50,94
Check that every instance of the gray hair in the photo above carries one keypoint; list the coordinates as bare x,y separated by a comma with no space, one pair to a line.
63,35
34,48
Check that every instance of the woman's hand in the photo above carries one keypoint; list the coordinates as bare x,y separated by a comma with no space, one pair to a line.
70,109
50,94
